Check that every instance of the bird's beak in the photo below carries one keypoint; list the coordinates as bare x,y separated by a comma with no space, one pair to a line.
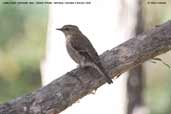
60,29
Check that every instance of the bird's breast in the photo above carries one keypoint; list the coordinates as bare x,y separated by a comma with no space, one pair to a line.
68,37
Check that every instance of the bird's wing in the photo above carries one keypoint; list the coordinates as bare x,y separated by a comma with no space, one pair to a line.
85,48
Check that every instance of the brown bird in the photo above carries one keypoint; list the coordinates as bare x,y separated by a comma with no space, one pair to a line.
81,50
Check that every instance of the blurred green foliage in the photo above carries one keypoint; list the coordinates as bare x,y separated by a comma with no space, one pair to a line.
158,90
22,43
158,76
155,14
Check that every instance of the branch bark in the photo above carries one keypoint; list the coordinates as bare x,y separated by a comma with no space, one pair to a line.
67,89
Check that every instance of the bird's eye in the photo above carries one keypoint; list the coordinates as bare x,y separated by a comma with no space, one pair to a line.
67,29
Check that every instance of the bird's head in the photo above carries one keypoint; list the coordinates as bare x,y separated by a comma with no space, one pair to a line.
69,29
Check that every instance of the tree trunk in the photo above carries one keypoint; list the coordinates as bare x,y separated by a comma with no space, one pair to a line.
135,82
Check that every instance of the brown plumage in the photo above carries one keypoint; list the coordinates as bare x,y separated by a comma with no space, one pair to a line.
81,50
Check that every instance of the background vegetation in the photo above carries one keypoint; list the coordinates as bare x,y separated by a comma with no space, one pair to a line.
22,43
157,92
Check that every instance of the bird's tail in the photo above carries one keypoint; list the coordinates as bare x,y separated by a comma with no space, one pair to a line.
102,71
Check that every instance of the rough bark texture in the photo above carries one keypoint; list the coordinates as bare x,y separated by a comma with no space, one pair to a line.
64,91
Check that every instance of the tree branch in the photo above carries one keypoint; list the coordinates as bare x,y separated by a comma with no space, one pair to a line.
67,89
